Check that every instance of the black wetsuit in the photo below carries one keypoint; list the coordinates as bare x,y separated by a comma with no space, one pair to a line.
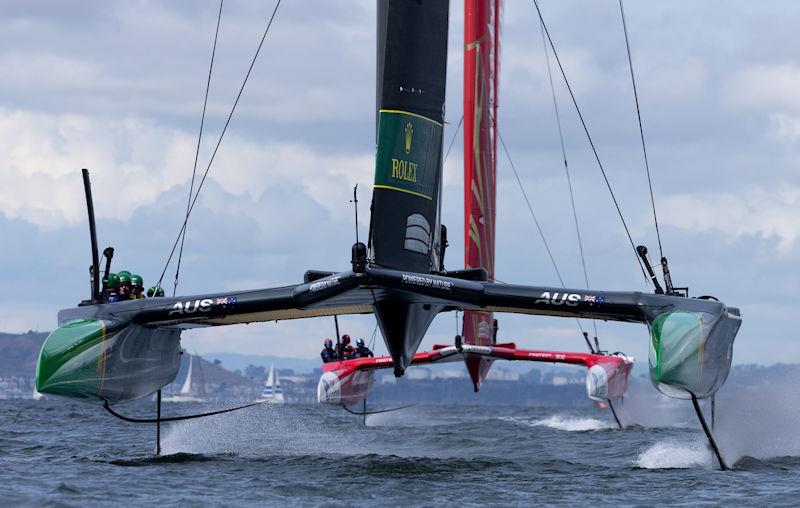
363,352
348,352
329,355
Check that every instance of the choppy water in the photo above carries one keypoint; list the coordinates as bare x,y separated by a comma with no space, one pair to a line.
71,454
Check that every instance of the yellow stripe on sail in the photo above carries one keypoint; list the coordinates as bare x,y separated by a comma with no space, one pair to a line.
402,190
401,112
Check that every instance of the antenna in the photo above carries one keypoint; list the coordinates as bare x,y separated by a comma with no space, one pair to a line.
355,207
94,270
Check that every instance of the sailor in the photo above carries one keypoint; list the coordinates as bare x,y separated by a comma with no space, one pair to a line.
137,287
124,291
328,354
362,351
110,293
345,349
155,291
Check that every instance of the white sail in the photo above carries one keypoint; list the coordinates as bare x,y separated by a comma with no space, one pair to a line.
272,388
186,389
276,389
186,394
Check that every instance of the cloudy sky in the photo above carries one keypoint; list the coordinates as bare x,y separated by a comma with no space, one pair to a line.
117,87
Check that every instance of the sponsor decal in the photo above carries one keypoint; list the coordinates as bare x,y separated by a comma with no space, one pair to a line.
408,153
571,299
556,298
324,284
428,282
547,356
190,307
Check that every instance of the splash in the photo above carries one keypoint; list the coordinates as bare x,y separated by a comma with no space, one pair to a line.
759,422
573,424
676,454
260,431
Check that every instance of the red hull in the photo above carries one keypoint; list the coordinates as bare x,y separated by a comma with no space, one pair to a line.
349,382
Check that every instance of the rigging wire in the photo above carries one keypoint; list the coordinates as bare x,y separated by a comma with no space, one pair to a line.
458,127
591,142
530,208
373,337
221,136
566,169
641,129
535,219
197,150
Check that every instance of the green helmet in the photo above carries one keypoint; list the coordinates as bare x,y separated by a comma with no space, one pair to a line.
112,281
124,277
155,291
137,281
124,272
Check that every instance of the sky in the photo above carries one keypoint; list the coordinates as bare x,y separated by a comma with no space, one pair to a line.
117,87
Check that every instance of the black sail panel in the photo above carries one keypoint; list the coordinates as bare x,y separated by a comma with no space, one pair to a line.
412,62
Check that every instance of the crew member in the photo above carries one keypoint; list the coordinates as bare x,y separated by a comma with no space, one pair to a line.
155,291
362,351
124,292
346,351
137,287
112,283
328,354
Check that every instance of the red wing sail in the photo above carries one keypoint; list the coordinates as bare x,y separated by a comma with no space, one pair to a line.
349,381
481,60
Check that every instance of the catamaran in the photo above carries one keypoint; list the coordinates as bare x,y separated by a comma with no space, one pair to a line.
113,353
272,392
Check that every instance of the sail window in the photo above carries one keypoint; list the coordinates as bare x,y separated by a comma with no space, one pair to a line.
418,234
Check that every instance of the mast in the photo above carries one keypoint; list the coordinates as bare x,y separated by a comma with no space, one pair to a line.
481,69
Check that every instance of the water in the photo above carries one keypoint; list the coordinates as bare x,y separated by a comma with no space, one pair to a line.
72,454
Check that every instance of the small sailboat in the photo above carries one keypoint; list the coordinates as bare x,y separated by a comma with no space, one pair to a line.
272,391
186,394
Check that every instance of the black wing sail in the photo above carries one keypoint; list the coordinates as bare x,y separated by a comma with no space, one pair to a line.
412,64
405,212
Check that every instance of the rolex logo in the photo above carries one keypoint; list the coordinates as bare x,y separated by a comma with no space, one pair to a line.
409,135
